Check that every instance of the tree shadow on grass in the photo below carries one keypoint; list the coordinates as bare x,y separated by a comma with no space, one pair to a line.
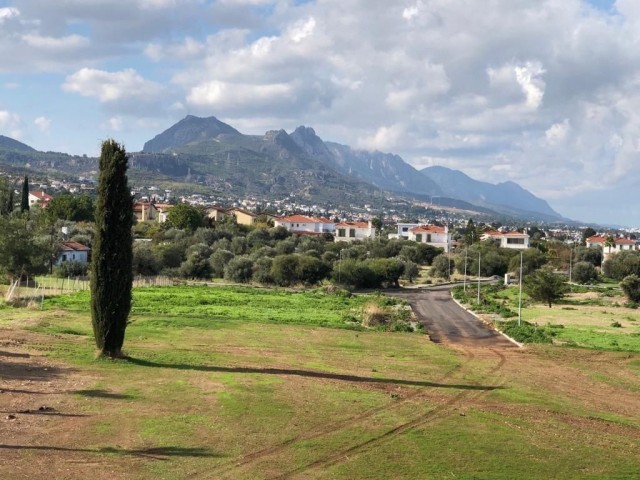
28,371
13,354
157,453
310,374
97,393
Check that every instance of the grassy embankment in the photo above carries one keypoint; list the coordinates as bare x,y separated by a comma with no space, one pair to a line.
597,318
249,383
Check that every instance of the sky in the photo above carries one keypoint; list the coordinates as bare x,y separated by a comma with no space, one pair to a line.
544,93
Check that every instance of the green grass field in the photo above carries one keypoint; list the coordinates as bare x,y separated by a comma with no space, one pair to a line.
595,318
244,383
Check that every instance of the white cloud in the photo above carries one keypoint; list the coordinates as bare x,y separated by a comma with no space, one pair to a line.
111,86
385,139
223,95
7,13
528,76
558,132
70,42
10,124
301,30
43,123
115,124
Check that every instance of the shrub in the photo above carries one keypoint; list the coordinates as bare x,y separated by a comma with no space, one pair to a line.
527,332
239,269
631,287
584,272
71,269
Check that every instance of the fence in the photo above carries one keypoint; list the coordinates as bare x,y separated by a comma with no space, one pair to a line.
33,290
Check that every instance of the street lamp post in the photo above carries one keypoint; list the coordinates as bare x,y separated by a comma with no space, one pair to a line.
520,294
466,252
479,258
570,268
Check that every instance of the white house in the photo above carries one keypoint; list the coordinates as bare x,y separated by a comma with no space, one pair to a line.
431,235
304,225
403,230
39,198
514,240
614,245
73,252
350,231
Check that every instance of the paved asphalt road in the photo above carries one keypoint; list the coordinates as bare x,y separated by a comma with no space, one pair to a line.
446,322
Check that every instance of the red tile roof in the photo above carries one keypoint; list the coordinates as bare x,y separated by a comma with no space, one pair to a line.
42,196
427,229
354,224
303,219
74,246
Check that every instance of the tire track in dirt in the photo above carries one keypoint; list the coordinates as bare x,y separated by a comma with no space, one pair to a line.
438,412
333,427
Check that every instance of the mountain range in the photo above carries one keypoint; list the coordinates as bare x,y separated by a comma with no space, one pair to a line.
211,153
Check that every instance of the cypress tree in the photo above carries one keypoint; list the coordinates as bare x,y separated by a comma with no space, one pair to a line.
111,263
24,201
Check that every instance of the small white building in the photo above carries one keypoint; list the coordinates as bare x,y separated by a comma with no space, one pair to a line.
351,231
432,235
73,252
39,198
514,240
403,231
304,225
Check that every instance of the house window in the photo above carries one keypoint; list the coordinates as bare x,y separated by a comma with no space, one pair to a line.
428,237
405,229
64,257
418,237
352,232
515,241
341,232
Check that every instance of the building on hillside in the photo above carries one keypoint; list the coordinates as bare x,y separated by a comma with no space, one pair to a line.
611,245
432,235
73,252
243,217
217,213
514,240
145,211
403,231
39,198
303,225
163,210
350,231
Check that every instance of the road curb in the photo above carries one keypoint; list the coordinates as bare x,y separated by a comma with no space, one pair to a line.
486,323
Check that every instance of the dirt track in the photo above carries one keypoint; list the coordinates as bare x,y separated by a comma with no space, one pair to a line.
446,322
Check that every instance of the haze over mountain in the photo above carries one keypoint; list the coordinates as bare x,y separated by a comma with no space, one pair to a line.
503,197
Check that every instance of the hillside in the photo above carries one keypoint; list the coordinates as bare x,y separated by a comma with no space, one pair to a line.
207,153
507,197
10,145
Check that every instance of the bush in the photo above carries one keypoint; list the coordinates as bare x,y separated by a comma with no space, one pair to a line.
584,272
262,270
442,266
239,269
527,332
631,288
218,261
71,269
